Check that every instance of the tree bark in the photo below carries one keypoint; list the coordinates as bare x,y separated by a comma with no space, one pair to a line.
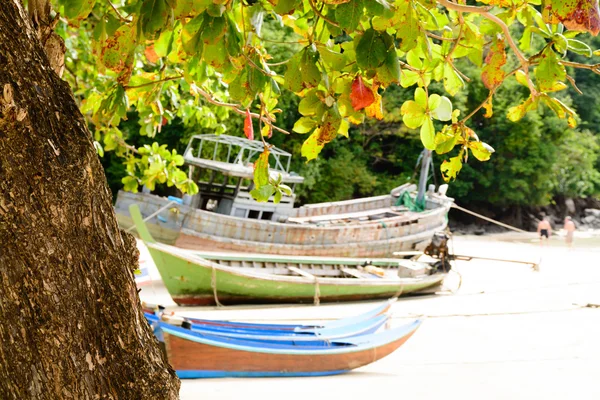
71,325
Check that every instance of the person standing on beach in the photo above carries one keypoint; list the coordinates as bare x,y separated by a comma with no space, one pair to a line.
570,229
544,230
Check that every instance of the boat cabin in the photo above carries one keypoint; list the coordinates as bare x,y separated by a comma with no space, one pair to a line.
223,168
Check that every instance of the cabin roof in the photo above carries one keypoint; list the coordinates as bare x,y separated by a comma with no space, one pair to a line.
241,155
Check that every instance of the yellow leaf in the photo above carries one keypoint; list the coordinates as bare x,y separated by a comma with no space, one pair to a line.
488,108
375,110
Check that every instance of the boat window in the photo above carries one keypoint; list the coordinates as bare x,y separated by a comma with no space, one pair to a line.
240,212
267,215
254,214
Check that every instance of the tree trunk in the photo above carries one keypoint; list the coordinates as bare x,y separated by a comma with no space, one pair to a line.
71,325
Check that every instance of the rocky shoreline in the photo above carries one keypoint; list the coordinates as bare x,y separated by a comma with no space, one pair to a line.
584,212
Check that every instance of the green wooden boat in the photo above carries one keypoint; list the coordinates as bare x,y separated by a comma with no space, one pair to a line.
208,278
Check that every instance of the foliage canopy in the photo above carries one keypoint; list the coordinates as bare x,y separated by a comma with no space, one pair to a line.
178,58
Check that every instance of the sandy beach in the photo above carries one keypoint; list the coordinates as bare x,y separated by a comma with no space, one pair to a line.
497,330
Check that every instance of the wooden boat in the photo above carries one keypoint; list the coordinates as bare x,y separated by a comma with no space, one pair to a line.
194,280
195,355
290,337
223,216
312,329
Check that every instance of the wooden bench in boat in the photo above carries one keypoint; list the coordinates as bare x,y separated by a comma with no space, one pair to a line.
361,216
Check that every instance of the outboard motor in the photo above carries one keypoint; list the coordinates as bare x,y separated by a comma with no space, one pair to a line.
438,248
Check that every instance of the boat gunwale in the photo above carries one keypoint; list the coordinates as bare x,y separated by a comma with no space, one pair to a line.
326,334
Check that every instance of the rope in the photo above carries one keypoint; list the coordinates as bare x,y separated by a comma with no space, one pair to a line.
387,233
399,292
406,200
316,299
488,219
213,285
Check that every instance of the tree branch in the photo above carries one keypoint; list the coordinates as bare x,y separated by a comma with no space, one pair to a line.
595,68
484,12
171,78
122,18
312,5
235,108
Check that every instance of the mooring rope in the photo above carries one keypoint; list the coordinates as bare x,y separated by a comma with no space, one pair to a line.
316,299
213,285
454,205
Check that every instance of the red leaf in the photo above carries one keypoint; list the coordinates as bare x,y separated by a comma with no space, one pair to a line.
151,54
248,128
361,95
576,15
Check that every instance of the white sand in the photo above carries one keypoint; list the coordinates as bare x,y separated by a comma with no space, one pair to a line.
507,333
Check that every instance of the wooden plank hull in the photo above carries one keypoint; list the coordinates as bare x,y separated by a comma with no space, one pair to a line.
193,281
192,359
203,230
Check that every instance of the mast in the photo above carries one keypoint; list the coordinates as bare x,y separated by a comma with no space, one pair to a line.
425,161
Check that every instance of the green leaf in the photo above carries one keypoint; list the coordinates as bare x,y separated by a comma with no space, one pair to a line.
164,44
549,72
284,7
447,139
443,112
389,72
310,104
130,184
452,80
191,34
521,78
293,77
312,146
344,127
451,168
263,194
285,189
371,50
481,151
311,76
213,29
304,125
155,15
348,14
409,30
579,47
336,61
428,134
421,97
78,9
277,197
261,170
190,8
413,114
518,112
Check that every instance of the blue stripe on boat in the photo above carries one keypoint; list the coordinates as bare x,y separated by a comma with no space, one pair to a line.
193,374
341,346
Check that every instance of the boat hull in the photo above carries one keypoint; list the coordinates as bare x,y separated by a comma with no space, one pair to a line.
196,283
201,360
203,230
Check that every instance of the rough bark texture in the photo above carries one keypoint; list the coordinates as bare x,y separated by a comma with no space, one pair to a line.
71,325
